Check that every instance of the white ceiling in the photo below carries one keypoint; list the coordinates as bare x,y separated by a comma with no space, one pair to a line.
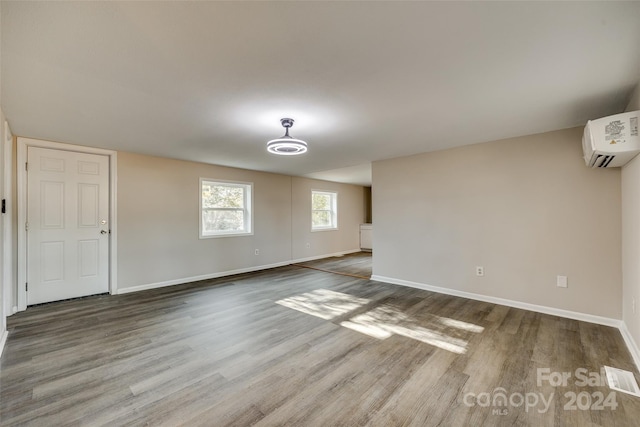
209,81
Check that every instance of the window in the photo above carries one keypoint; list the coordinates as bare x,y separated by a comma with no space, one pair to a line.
324,210
225,208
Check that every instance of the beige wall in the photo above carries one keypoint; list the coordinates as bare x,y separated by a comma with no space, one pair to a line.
4,289
631,237
350,216
3,286
158,214
526,209
634,102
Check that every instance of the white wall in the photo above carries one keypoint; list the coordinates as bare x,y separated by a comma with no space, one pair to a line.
526,209
157,208
631,238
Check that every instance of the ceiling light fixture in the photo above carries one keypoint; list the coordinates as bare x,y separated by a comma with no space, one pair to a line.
287,145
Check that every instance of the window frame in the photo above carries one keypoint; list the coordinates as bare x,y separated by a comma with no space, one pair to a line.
248,208
333,210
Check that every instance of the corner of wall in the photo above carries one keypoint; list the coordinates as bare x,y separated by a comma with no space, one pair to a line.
5,285
634,102
630,328
3,340
631,343
3,313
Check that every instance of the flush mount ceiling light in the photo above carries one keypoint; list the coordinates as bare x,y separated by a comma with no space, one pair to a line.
287,145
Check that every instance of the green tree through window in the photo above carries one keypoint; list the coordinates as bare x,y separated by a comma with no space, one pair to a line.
226,208
324,210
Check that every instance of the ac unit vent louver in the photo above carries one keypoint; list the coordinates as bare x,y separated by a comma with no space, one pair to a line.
601,161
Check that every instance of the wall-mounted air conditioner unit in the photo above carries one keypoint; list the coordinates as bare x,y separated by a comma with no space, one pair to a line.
611,141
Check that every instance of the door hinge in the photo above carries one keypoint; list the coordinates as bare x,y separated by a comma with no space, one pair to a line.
4,205
26,226
26,287
26,166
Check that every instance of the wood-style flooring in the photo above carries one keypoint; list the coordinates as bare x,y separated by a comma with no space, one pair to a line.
357,264
295,346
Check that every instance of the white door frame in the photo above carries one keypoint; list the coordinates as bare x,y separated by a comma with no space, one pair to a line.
23,145
7,218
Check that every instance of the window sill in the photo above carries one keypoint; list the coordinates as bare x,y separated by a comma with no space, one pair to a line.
217,236
313,230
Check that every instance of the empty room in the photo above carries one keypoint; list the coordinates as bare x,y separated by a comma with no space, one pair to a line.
319,213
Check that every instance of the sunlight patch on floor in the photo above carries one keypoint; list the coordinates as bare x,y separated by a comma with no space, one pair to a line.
459,324
384,321
323,303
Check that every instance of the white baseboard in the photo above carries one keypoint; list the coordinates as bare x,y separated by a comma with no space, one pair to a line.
3,340
312,258
225,273
198,278
599,320
510,303
631,344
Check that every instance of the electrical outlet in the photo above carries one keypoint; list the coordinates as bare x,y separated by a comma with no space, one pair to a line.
308,245
257,251
479,271
561,282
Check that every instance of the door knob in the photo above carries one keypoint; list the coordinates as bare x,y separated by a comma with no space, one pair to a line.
103,231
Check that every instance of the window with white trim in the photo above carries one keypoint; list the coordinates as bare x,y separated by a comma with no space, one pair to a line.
324,210
225,208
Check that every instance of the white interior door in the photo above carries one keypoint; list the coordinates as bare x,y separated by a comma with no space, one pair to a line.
67,224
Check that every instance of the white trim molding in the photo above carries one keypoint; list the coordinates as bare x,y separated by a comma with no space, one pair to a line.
312,258
198,278
247,208
8,278
502,301
3,340
590,318
226,273
22,145
334,210
631,344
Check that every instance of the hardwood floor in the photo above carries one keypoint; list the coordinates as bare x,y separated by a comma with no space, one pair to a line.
297,346
357,264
